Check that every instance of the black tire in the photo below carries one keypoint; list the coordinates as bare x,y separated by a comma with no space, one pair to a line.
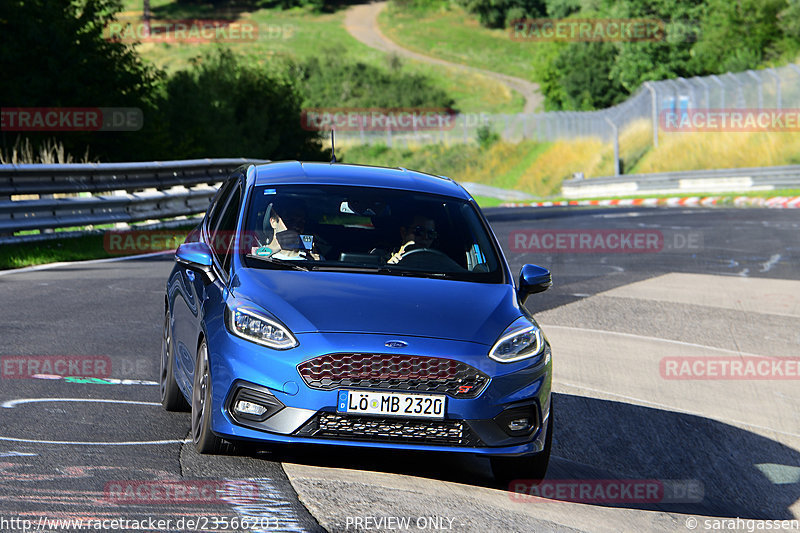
171,396
204,440
529,467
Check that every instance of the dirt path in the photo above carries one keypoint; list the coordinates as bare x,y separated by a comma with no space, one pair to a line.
362,23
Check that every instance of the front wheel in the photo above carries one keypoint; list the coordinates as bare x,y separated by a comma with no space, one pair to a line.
204,439
528,467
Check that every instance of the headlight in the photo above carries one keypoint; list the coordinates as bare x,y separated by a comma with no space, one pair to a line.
520,340
250,325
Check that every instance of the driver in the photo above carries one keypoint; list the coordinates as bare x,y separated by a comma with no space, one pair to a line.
419,233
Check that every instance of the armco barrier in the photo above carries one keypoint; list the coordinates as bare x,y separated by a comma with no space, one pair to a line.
114,193
686,183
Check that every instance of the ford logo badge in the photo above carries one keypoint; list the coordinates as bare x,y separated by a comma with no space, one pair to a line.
395,344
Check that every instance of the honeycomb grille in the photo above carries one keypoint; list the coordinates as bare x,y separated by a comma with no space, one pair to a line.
386,429
411,373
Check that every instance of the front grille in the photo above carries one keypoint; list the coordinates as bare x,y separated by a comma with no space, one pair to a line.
387,429
393,372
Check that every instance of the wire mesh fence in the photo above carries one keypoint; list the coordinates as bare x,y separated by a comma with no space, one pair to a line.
770,89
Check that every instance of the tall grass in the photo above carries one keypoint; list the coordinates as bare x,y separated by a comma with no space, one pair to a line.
697,151
48,152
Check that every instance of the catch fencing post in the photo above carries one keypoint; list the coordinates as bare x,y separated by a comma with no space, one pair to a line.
654,105
615,132
760,92
778,102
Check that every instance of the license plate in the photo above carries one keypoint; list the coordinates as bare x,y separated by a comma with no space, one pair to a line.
392,404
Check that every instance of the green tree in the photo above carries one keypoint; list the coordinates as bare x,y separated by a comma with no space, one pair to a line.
668,56
583,74
739,35
222,107
500,13
333,80
54,54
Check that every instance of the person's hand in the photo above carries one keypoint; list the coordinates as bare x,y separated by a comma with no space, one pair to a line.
399,255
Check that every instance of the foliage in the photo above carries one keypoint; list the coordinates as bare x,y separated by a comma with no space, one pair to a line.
333,80
487,137
740,35
54,55
585,80
700,38
223,107
500,13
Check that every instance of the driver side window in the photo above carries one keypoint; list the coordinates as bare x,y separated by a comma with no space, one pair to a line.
222,226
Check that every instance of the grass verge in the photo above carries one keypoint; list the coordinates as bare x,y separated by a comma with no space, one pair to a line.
300,34
448,32
53,251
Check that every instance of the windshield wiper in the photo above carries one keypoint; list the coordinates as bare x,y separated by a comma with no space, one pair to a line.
349,268
381,269
283,263
413,273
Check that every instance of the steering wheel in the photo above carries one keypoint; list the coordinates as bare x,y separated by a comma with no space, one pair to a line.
425,251
429,258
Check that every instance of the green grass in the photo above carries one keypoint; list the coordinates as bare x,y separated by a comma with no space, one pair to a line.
82,248
53,251
299,34
452,34
725,196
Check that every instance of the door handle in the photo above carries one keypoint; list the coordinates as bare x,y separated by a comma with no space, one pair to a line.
190,275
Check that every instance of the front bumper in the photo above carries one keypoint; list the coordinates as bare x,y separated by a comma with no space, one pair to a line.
309,415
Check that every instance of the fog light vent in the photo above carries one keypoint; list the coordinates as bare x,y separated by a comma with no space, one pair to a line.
519,421
255,405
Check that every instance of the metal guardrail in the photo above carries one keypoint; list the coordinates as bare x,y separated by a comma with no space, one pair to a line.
161,190
695,181
99,177
134,192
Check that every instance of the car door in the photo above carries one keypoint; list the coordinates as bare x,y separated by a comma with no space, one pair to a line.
209,296
191,292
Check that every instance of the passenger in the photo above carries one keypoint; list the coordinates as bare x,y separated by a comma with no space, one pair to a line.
284,236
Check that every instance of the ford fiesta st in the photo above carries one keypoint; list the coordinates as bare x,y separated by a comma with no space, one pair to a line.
347,305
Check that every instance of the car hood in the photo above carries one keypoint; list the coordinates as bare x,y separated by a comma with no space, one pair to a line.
339,302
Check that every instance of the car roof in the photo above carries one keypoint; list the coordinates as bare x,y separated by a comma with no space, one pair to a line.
297,172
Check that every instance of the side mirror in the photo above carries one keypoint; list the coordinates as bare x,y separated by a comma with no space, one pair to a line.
196,256
533,279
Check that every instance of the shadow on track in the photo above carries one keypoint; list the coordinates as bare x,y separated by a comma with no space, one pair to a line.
607,440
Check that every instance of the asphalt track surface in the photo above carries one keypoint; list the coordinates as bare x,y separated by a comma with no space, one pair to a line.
723,283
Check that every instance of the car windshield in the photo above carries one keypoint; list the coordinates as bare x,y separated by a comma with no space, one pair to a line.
370,230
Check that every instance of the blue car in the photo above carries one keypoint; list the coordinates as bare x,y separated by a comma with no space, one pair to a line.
349,305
